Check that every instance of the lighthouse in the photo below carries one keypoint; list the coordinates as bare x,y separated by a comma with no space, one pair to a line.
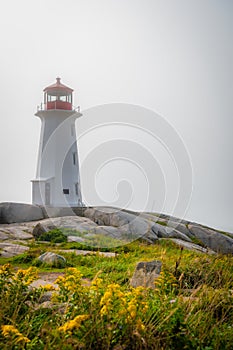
57,182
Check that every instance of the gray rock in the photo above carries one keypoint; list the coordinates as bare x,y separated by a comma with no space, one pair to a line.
181,228
39,229
214,240
152,217
41,283
160,230
171,219
59,308
149,227
50,212
52,259
146,273
19,233
109,216
176,234
76,223
163,224
139,227
45,298
75,239
19,212
192,246
168,232
3,235
14,232
118,224
110,231
131,226
55,212
8,250
150,237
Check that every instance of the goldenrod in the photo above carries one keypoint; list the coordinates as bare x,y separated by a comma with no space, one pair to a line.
73,324
48,287
11,331
26,276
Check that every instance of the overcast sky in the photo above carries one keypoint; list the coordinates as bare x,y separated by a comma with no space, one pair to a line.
171,57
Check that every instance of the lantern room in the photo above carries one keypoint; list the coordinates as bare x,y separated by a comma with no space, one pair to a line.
58,96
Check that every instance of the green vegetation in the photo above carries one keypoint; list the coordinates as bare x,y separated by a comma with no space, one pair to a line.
91,241
163,223
191,306
54,236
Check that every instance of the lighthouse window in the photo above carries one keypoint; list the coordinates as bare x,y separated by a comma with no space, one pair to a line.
63,98
66,191
75,158
51,98
76,189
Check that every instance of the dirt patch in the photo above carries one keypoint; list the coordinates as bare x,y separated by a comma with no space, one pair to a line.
50,276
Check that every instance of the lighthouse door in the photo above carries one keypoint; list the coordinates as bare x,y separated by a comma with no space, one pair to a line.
47,193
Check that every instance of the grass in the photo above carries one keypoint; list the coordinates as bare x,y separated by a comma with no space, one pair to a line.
163,223
190,307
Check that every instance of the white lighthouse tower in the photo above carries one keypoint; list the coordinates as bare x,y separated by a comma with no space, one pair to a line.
57,182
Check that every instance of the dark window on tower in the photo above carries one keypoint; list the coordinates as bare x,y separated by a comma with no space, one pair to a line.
76,189
75,158
66,191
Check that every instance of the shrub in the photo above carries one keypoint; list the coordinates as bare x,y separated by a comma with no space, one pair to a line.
54,236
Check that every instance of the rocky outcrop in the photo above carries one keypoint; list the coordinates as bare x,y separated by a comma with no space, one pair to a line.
15,232
75,223
150,227
8,250
52,259
219,242
192,246
132,226
146,273
120,225
39,229
19,212
135,225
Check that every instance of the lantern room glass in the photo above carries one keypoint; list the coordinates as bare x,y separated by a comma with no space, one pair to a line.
58,100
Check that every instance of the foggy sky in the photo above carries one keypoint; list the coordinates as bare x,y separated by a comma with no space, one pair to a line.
173,57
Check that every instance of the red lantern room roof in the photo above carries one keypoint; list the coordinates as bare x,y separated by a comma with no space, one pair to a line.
58,86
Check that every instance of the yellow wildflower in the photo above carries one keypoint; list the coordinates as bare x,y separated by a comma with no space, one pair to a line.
106,298
23,339
71,281
122,312
104,311
138,291
95,288
145,306
48,287
96,283
26,276
140,326
60,279
73,324
113,286
5,269
132,309
9,331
